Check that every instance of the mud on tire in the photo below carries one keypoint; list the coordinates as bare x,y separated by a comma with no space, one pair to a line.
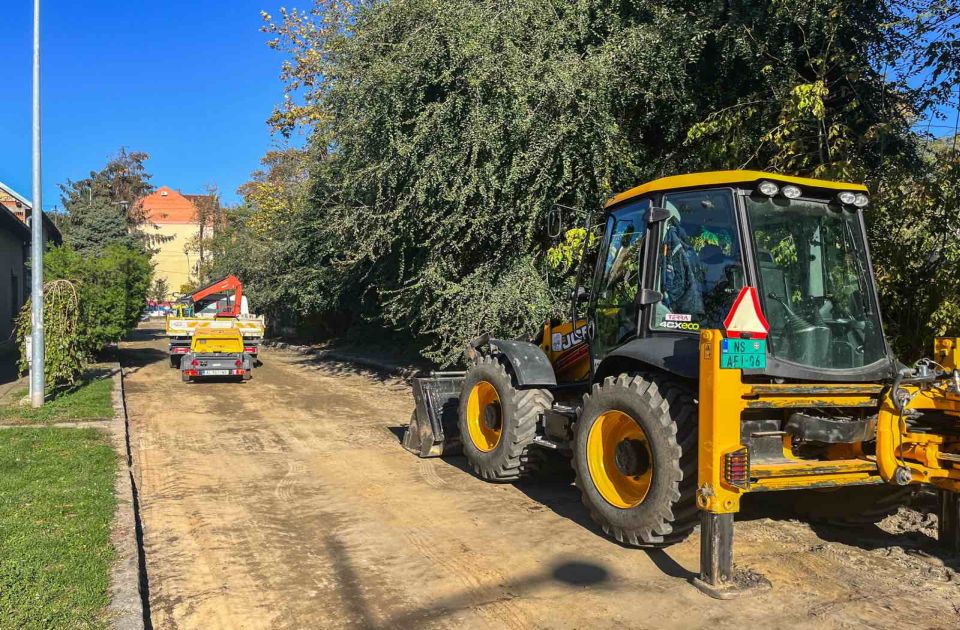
666,412
520,410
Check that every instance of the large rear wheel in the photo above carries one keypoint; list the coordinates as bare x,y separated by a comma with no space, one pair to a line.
635,457
498,422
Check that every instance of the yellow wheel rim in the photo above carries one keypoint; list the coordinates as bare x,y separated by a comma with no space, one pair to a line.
619,459
484,416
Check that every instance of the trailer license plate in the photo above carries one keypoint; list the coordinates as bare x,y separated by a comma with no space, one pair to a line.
743,354
215,373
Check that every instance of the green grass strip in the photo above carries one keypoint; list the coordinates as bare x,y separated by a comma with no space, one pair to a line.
88,400
56,507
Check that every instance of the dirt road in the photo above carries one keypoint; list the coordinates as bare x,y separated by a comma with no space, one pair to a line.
287,502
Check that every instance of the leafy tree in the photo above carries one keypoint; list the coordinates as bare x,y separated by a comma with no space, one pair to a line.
160,290
209,217
112,288
442,133
105,207
278,191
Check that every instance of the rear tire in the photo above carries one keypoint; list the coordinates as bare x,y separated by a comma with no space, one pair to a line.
175,360
498,422
640,486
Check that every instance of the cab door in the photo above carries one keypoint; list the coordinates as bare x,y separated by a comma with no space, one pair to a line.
616,311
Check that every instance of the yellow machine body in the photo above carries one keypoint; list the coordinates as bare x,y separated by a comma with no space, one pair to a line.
566,347
930,458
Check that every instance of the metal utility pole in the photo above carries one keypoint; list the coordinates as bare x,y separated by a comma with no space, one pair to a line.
36,226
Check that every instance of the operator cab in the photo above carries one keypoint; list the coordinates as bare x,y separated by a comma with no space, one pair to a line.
677,251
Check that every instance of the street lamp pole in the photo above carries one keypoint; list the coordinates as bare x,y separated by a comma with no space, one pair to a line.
36,225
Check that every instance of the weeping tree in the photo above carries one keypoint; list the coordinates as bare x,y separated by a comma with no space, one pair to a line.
63,354
441,134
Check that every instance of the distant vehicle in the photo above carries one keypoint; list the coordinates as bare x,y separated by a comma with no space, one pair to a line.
217,305
216,352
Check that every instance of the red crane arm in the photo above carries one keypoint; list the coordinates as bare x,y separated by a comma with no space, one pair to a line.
228,284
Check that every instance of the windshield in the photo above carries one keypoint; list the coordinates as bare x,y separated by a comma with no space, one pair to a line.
814,284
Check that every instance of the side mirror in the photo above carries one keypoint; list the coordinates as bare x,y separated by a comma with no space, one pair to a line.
555,222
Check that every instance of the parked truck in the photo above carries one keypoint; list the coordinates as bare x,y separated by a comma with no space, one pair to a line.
219,305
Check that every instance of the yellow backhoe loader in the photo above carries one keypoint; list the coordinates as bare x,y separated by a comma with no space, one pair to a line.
725,337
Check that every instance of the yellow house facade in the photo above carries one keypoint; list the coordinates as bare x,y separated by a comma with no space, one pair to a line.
172,216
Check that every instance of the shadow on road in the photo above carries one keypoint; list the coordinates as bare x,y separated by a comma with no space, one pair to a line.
553,488
135,359
343,368
575,573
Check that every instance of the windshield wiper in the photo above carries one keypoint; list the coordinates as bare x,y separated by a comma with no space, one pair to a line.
861,271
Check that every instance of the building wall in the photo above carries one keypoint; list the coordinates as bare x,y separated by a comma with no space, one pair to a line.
171,261
12,279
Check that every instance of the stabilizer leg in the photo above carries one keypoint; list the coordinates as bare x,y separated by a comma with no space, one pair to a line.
716,556
717,576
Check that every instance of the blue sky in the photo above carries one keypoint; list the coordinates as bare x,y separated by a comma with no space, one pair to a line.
190,83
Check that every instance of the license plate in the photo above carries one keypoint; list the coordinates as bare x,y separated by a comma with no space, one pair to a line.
215,373
743,354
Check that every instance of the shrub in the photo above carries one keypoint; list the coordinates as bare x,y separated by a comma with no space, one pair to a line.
64,357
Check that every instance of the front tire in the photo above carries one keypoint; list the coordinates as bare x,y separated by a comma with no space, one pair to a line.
635,458
498,422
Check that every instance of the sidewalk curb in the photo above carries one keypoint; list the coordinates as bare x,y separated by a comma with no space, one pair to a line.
391,368
128,577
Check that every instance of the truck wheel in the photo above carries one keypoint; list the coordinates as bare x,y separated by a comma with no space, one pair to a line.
175,360
184,378
498,421
854,506
635,457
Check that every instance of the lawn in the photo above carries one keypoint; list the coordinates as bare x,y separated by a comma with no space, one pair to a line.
90,399
56,507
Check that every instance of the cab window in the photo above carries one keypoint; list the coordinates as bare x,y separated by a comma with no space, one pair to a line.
699,267
619,276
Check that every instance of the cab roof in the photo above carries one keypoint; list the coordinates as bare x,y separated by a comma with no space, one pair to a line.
723,178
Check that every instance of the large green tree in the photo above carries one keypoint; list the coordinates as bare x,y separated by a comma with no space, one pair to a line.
441,134
105,208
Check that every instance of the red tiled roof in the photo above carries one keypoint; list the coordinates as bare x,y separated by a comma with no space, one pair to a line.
166,205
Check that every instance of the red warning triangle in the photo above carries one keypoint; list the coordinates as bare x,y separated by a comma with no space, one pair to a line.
745,318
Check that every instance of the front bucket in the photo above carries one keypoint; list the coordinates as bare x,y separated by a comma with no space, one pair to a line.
433,428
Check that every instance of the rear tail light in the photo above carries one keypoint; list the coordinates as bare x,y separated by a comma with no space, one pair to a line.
194,363
250,350
180,350
239,372
736,468
192,372
238,363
